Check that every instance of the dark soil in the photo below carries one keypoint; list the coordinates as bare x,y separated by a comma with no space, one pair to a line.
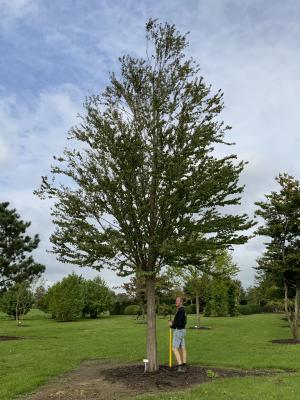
110,380
9,338
199,327
286,341
166,379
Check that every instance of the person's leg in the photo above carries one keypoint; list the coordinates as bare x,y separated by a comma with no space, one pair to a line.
183,355
176,345
183,348
177,355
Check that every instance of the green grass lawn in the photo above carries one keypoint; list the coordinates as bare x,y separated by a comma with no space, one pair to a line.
244,342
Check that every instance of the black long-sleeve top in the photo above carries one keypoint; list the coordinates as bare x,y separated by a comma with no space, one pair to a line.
180,319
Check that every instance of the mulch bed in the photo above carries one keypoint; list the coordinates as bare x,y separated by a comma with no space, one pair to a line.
167,379
112,380
9,338
286,341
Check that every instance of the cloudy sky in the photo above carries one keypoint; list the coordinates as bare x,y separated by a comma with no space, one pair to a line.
54,53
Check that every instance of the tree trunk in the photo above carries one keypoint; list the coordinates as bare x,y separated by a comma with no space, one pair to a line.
292,317
151,325
17,313
296,313
197,310
142,305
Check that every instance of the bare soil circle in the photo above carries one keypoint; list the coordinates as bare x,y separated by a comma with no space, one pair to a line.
112,380
3,338
286,341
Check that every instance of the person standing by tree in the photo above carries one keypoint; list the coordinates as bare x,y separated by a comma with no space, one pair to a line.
178,324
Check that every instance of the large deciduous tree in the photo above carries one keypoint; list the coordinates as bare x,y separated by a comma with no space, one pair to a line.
16,263
281,214
143,175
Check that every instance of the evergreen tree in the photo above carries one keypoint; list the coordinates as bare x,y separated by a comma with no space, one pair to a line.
233,295
16,265
145,175
40,298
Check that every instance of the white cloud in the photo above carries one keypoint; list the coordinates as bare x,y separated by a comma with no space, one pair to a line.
36,131
12,11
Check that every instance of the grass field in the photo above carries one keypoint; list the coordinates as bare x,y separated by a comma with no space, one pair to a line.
51,348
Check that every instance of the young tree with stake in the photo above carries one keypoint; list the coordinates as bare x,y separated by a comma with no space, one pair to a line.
145,177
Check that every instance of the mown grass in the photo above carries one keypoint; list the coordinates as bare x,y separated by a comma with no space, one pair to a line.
51,348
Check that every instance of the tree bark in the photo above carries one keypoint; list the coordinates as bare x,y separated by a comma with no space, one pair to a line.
17,313
296,313
151,325
292,317
197,310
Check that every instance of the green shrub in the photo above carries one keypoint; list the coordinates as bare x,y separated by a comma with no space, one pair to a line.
250,309
190,308
133,309
66,299
164,309
275,306
118,307
255,308
245,309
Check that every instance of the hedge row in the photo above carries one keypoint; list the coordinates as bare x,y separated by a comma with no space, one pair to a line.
255,309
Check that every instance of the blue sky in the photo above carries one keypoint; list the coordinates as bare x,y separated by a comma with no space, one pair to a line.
55,53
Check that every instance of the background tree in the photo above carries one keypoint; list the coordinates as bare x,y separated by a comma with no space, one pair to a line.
16,265
168,287
119,303
194,280
233,295
281,214
136,291
222,288
268,290
66,298
97,297
17,301
143,175
198,279
40,298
